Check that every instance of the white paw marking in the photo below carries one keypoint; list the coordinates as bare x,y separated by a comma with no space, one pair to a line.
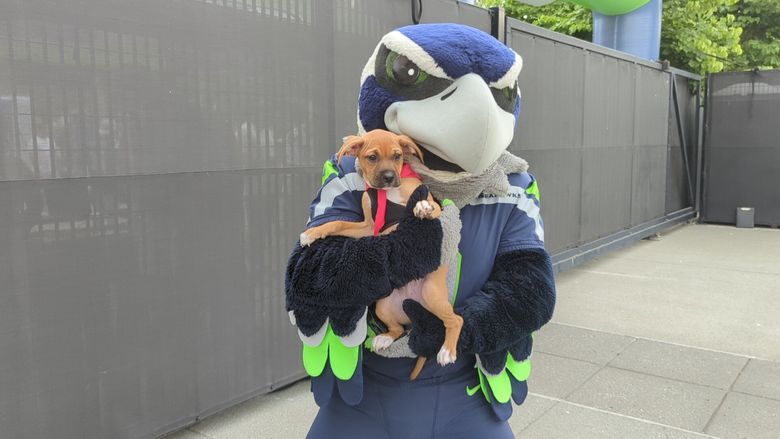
381,342
445,357
423,209
305,240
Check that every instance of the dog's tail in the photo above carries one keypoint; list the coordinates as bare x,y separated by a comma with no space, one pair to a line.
417,368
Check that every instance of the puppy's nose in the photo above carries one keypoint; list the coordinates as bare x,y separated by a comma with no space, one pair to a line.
388,177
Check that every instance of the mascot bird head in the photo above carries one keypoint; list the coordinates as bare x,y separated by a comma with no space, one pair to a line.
452,88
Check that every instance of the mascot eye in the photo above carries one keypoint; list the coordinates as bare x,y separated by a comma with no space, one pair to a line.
403,71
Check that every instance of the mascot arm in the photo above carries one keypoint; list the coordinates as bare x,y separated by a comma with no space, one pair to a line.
517,299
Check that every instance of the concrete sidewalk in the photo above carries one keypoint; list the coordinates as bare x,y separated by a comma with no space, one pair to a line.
670,338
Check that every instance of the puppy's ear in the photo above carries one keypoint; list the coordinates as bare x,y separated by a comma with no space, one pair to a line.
351,146
409,147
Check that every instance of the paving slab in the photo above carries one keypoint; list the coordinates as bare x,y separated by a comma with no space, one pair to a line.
760,378
745,416
675,403
688,289
284,414
713,245
533,408
558,376
186,434
575,422
579,344
691,365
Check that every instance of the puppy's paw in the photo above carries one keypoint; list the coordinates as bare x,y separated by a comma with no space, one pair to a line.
381,342
445,357
306,239
423,210
311,235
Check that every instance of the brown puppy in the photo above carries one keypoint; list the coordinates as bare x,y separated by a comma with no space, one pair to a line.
380,163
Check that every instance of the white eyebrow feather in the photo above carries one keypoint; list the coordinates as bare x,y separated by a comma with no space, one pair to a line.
510,77
400,43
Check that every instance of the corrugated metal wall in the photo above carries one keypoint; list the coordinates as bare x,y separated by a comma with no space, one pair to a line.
598,129
156,162
742,152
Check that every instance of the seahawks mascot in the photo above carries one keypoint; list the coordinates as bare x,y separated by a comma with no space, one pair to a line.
453,89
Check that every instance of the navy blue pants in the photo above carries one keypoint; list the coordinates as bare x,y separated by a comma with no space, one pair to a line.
431,408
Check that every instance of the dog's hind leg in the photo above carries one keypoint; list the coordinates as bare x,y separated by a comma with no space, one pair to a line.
385,312
436,300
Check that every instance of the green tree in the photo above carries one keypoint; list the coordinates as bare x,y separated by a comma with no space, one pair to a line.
761,38
702,36
566,18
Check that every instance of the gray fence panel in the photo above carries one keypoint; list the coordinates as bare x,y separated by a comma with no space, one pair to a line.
650,154
742,153
677,196
133,88
133,302
156,162
549,132
607,143
594,126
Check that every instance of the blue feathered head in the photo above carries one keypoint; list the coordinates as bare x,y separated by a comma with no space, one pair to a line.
450,87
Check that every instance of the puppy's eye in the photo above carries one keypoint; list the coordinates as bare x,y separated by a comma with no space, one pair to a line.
397,157
372,158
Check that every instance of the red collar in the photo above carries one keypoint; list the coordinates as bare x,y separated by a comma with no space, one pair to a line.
408,172
381,198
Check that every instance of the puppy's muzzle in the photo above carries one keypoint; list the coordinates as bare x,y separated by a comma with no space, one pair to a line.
388,179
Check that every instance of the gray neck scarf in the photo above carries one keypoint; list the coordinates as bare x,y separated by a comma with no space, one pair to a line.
464,187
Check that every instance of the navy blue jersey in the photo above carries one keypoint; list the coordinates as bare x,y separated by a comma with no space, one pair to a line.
491,225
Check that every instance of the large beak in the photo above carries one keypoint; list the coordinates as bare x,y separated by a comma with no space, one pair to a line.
462,125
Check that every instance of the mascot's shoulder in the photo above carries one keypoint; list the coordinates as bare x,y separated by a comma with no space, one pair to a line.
344,170
522,180
346,166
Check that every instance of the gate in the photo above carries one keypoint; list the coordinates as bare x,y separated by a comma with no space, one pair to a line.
742,152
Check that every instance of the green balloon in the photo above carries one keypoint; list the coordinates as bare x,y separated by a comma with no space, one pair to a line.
611,7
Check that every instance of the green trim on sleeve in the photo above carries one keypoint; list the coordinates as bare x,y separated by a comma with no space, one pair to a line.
457,279
328,169
534,190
